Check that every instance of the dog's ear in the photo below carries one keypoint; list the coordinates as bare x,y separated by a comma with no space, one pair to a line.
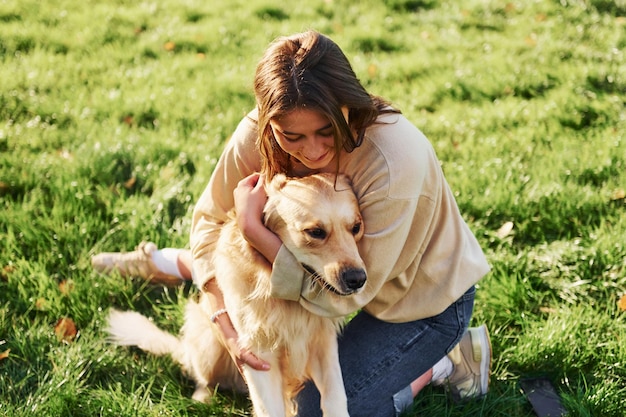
272,188
276,183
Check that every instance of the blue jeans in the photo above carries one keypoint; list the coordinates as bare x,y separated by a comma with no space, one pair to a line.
379,360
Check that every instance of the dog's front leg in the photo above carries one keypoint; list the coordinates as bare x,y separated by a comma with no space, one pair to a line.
265,389
326,374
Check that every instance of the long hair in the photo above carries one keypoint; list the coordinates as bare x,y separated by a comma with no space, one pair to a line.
309,70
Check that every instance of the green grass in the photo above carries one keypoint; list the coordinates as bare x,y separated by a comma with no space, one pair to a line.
112,116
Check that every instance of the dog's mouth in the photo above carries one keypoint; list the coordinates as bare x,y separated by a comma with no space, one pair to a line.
315,276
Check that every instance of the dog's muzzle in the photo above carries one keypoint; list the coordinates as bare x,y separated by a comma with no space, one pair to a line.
351,280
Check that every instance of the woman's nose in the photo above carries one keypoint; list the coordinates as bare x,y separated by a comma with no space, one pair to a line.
316,146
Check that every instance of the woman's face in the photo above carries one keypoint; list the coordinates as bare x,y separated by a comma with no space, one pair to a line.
306,135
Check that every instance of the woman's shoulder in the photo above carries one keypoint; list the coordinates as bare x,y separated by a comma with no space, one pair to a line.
253,116
399,141
396,152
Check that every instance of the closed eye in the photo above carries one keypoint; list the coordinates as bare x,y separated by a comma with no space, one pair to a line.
316,233
293,138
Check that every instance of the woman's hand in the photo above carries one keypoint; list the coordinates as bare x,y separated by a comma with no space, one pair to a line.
222,321
250,198
240,356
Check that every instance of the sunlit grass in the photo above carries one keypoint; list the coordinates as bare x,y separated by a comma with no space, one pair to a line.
113,114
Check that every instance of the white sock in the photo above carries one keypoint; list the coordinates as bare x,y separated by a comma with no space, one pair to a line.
442,369
167,261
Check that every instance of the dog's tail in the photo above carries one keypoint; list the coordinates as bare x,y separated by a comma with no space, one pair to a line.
129,328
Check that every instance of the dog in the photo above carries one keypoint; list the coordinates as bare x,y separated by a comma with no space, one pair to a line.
318,220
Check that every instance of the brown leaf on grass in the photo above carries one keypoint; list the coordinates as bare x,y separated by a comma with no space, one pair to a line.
5,354
372,70
620,20
130,183
41,304
531,40
169,46
622,303
504,230
66,287
65,329
6,271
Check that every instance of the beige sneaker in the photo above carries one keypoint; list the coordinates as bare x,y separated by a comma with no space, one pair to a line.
134,264
472,365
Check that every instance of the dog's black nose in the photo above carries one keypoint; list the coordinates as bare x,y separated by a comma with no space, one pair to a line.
354,278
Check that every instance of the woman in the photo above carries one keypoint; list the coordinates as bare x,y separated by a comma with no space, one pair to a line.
313,115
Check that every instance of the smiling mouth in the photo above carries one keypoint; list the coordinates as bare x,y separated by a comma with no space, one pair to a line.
317,277
318,158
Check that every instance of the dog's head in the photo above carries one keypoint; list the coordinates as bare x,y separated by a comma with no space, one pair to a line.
317,218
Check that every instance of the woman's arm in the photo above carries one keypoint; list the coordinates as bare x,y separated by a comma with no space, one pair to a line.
239,158
250,198
240,356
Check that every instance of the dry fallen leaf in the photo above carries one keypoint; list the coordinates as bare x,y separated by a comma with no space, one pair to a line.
622,303
128,119
66,287
41,304
5,354
6,271
372,70
130,183
169,46
65,329
504,230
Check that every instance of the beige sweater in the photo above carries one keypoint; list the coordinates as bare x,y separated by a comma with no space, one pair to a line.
419,253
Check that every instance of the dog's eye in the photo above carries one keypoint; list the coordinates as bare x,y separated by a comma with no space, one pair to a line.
316,233
356,229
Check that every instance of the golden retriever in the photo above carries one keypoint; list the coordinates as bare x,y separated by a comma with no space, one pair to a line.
318,220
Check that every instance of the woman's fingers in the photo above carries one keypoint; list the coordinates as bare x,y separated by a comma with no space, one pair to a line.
250,359
243,357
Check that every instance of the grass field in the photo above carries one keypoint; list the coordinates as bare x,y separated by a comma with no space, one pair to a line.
112,115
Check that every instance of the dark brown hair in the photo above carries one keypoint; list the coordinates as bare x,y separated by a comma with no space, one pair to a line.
309,70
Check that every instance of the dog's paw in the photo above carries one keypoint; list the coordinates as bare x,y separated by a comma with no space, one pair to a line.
202,394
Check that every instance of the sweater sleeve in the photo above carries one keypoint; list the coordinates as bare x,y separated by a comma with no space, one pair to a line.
239,159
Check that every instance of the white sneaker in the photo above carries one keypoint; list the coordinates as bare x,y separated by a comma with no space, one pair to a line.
471,359
134,264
